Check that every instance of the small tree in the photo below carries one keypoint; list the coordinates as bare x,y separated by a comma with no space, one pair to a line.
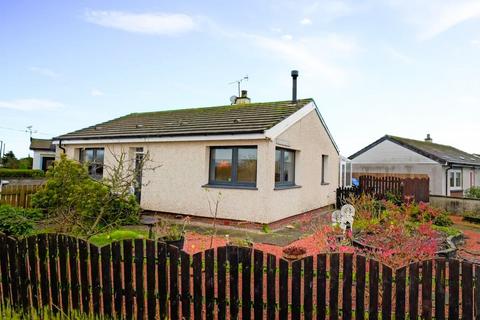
213,205
10,161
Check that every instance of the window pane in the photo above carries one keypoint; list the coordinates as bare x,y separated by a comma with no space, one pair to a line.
223,165
89,155
278,154
247,165
288,159
452,180
99,156
458,179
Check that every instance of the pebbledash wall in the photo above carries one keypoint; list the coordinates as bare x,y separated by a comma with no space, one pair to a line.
178,186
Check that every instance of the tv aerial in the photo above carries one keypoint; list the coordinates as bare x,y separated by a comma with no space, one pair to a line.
238,82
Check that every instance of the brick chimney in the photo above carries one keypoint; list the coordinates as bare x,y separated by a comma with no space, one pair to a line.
243,99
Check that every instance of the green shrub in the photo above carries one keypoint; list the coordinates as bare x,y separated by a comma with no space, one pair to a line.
18,222
21,173
80,204
442,220
473,192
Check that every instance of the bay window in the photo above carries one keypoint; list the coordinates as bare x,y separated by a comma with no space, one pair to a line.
284,167
233,166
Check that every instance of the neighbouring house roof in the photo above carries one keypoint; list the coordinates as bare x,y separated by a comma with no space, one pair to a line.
441,153
41,144
231,119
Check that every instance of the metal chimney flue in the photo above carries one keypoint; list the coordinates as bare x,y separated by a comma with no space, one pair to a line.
294,85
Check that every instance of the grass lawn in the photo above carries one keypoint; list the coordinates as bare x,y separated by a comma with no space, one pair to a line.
117,235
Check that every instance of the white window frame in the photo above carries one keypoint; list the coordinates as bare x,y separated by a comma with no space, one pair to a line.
455,187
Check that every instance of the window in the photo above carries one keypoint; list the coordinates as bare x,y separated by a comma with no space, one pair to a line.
324,168
455,177
94,158
284,167
236,166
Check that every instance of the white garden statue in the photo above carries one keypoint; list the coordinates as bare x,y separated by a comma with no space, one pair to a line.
344,217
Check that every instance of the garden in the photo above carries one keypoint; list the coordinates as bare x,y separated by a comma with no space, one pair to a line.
73,211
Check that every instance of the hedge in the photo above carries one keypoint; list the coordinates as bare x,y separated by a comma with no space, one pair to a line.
21,173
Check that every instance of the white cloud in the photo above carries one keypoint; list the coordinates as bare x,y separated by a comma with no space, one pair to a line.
305,22
287,37
315,55
45,72
148,23
475,43
329,10
432,17
30,104
398,56
96,92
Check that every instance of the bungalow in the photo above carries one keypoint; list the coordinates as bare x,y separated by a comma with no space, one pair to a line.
43,153
451,171
270,160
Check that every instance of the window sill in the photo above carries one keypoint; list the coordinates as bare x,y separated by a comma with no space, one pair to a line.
223,186
293,186
325,183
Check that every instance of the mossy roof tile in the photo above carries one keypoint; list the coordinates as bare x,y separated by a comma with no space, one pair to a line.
231,119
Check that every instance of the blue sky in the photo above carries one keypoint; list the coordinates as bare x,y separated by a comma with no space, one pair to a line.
373,67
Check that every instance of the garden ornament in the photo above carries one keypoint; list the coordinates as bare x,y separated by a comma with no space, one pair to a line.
344,217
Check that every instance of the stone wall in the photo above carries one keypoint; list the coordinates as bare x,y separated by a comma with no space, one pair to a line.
456,205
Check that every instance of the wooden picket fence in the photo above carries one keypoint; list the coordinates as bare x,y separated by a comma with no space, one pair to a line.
147,279
18,195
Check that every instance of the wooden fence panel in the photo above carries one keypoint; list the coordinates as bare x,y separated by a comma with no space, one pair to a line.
18,195
102,281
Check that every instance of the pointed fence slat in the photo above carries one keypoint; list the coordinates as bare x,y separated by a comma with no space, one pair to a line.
334,286
440,289
128,277
222,282
210,284
360,288
347,286
453,289
283,295
117,278
246,260
258,285
400,293
321,286
151,280
271,286
185,284
73,265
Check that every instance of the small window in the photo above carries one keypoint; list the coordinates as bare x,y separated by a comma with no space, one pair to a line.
455,177
324,168
94,158
284,167
233,166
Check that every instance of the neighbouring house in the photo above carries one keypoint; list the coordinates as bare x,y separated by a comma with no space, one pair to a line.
270,161
43,153
451,171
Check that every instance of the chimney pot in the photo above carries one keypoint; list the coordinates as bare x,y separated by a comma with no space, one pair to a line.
428,138
243,99
244,93
294,74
